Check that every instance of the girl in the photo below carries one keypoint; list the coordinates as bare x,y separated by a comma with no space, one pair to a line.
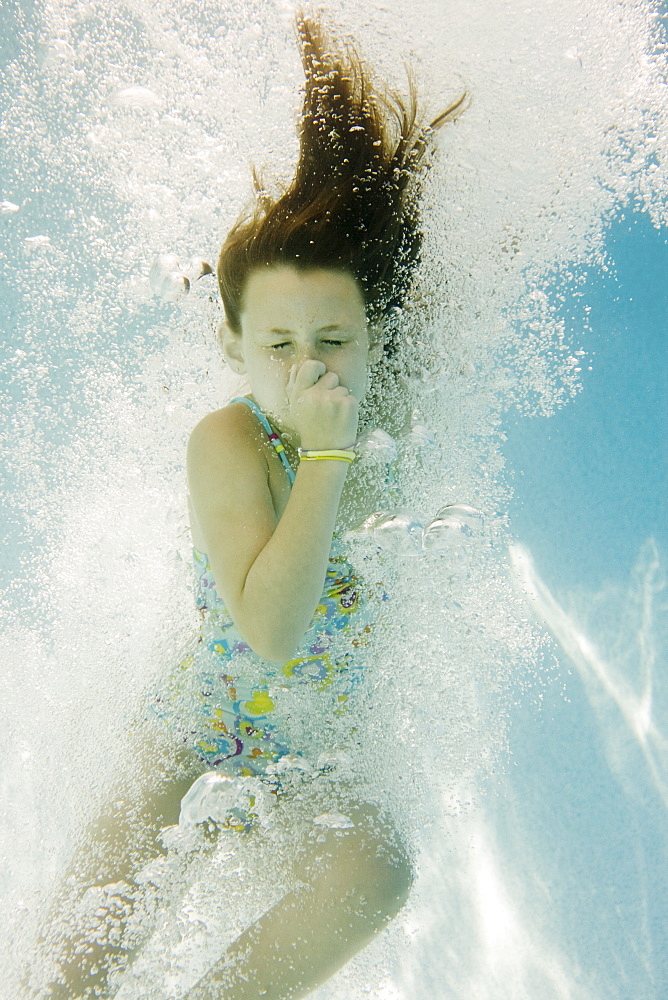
306,280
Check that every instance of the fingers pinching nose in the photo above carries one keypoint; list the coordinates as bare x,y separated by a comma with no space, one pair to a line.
308,373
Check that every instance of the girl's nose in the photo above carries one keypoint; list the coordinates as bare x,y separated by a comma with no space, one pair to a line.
307,352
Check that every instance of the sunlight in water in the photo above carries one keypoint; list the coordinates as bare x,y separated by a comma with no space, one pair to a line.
606,684
499,929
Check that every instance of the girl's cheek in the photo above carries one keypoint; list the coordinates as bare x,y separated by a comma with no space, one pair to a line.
280,362
281,374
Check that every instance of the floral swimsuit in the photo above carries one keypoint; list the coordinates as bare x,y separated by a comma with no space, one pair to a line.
223,697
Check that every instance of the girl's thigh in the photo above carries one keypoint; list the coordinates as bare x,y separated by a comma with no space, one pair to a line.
156,774
100,912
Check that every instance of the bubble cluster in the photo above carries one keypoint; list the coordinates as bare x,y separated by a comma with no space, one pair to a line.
402,532
230,802
170,279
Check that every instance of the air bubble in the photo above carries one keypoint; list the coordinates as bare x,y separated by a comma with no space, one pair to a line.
378,446
171,280
135,97
337,759
335,821
197,268
290,762
221,799
163,269
154,873
574,56
419,437
56,50
402,532
452,526
399,531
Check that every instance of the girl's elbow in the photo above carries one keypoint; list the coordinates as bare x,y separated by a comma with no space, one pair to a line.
268,634
275,648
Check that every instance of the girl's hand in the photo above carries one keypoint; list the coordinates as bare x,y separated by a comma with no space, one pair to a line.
322,411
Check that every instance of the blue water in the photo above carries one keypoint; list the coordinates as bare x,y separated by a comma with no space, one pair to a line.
581,816
591,480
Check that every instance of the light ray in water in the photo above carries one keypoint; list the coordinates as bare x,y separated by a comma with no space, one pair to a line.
605,684
482,934
513,952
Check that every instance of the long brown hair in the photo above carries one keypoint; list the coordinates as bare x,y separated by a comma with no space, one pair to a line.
353,203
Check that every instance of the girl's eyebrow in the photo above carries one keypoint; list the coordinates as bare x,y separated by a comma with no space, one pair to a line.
322,329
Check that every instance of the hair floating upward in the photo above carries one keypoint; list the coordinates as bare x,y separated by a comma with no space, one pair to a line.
353,203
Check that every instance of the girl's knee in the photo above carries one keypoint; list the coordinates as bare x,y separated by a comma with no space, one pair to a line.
390,878
367,864
378,867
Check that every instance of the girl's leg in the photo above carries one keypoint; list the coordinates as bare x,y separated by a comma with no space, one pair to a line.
84,939
352,886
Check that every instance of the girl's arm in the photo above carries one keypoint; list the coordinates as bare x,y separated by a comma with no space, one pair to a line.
270,572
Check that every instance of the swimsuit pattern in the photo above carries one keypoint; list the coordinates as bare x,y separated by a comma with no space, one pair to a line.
233,723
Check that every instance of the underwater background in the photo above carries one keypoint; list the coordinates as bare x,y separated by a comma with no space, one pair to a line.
527,654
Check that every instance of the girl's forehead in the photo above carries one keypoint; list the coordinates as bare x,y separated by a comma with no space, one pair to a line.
284,296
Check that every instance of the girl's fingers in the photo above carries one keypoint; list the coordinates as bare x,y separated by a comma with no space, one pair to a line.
341,392
308,374
329,380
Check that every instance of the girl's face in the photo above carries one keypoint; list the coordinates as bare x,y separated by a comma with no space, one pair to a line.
290,316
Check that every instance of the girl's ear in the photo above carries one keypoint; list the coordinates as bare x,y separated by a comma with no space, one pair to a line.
232,348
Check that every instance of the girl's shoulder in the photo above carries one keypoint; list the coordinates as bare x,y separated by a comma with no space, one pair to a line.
230,434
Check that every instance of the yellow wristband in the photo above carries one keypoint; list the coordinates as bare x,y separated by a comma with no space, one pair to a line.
337,455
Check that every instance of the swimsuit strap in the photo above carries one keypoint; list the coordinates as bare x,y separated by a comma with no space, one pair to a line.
278,445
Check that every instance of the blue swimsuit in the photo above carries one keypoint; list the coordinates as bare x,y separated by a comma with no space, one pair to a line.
228,694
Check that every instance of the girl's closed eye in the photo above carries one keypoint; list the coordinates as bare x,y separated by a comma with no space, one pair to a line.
326,343
277,347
